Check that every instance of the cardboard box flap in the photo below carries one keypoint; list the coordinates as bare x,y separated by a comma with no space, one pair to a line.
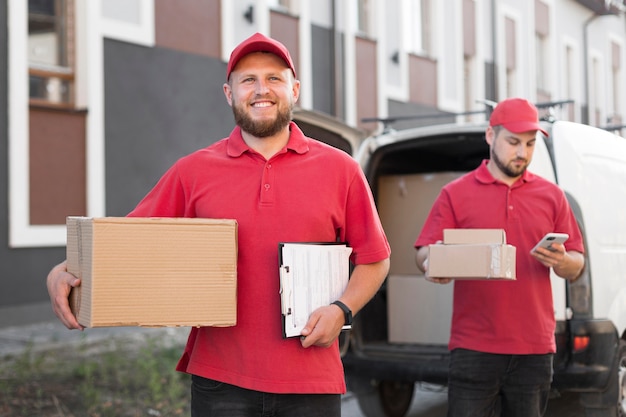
474,236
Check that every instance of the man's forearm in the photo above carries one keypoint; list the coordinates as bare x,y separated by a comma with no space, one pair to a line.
571,267
365,280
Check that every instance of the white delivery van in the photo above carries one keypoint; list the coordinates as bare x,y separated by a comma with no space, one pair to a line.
401,336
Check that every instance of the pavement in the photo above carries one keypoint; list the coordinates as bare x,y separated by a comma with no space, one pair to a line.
46,335
50,335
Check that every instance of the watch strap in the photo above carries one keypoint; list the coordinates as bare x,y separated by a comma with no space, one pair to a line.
346,311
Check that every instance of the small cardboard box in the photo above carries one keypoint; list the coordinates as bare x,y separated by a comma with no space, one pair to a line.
472,254
153,271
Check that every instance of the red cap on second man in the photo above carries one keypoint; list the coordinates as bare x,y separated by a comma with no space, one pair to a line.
516,115
259,43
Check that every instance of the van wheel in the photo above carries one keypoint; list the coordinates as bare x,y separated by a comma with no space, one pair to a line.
389,399
615,393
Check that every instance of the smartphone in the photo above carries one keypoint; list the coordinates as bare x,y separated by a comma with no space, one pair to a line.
549,239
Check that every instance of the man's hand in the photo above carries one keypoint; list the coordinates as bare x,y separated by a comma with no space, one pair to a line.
567,265
325,323
60,283
550,257
323,327
438,280
421,259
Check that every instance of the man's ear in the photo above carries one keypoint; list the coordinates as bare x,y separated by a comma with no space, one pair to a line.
490,135
296,90
228,92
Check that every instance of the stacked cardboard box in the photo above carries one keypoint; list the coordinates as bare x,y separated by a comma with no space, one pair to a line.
472,254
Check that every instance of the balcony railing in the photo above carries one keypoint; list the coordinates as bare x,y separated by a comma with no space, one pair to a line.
604,7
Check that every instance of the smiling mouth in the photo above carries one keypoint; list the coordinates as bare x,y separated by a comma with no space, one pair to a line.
262,104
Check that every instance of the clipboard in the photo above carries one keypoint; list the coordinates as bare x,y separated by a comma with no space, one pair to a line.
312,275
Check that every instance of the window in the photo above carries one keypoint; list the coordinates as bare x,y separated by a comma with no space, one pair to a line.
50,52
510,27
569,79
421,24
542,41
364,17
542,63
421,34
283,5
594,97
617,77
468,85
426,27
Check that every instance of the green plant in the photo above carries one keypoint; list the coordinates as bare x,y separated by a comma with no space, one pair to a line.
120,377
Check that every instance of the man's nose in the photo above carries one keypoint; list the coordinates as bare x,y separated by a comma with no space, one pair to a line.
261,87
522,151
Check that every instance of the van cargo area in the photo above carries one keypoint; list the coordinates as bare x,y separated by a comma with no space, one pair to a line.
401,336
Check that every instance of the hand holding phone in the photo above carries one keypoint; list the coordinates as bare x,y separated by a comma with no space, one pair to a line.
549,239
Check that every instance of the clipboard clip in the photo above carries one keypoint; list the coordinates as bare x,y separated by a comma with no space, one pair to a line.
286,290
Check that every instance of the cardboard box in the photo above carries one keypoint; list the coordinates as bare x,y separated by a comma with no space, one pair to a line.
404,202
472,254
411,302
473,236
153,271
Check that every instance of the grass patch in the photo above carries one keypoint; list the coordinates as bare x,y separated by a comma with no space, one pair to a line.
119,377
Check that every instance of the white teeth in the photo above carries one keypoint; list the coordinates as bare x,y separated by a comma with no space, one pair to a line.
262,104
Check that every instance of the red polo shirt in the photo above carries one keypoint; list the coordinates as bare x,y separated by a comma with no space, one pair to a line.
308,191
508,317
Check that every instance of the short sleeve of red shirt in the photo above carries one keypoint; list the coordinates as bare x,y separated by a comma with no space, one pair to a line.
308,192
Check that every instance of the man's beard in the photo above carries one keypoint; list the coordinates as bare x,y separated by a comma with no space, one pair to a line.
509,171
263,128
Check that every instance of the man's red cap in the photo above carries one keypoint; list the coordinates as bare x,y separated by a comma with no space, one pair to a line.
516,115
259,43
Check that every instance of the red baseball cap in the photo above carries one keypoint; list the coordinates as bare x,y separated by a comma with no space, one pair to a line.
259,43
516,115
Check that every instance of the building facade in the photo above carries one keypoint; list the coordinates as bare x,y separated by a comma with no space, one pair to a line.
99,97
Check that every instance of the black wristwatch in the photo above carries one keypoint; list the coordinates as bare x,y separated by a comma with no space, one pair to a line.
346,312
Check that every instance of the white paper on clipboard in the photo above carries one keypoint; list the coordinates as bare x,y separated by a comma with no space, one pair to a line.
311,275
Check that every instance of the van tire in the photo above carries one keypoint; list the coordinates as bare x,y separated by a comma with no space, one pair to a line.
388,399
614,396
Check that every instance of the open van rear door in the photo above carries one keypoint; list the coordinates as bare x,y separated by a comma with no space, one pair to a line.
329,130
333,132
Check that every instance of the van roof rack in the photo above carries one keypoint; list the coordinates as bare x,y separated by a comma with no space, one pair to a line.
387,121
614,127
489,106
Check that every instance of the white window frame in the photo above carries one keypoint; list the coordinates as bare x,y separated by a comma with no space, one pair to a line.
89,55
415,30
503,77
141,33
597,88
617,103
572,78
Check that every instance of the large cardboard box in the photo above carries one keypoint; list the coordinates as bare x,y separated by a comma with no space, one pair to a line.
412,304
153,271
404,202
472,254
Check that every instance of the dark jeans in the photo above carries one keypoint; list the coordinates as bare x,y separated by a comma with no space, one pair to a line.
490,385
211,398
